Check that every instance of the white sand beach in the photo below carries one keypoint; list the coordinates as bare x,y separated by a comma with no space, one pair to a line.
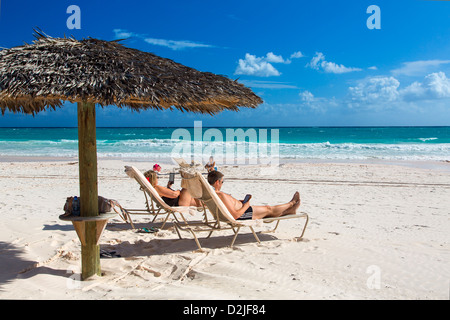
376,231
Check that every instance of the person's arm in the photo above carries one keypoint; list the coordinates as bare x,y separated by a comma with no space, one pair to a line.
166,192
229,204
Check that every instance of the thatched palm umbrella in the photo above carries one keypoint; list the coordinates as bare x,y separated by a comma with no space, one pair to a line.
38,76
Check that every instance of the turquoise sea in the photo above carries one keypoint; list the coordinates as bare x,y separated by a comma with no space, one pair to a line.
326,143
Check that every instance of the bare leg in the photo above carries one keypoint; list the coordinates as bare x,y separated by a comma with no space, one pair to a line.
291,207
185,199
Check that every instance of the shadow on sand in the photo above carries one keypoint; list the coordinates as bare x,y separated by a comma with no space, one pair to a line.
14,266
153,244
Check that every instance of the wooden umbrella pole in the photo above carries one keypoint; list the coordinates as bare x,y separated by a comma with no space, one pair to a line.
87,156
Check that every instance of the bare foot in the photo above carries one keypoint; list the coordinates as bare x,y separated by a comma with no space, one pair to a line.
295,198
295,204
297,194
295,207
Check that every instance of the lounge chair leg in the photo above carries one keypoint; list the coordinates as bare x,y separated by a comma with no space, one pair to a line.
276,226
128,219
216,225
196,240
125,215
165,220
254,234
178,231
175,217
304,228
273,230
184,219
131,222
235,236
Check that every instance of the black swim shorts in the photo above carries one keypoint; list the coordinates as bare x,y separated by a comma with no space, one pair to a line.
247,215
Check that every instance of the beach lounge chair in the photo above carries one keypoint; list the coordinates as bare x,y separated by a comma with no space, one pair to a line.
223,220
155,205
183,164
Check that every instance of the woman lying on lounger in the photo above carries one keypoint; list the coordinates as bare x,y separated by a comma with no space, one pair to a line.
241,210
173,198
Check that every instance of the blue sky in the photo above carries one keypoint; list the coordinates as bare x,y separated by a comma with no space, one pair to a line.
314,63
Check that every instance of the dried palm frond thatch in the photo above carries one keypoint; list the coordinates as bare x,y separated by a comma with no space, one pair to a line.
42,75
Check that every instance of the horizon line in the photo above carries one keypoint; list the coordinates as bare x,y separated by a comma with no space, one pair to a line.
249,127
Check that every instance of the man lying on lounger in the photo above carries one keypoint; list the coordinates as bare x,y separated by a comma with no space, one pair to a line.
242,210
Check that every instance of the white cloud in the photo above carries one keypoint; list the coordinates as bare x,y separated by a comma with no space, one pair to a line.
316,103
172,44
315,61
257,66
263,66
176,44
438,85
385,92
434,86
374,91
271,57
307,96
420,67
268,84
297,55
318,62
121,34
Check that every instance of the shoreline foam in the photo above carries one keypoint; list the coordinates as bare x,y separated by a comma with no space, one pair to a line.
442,165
